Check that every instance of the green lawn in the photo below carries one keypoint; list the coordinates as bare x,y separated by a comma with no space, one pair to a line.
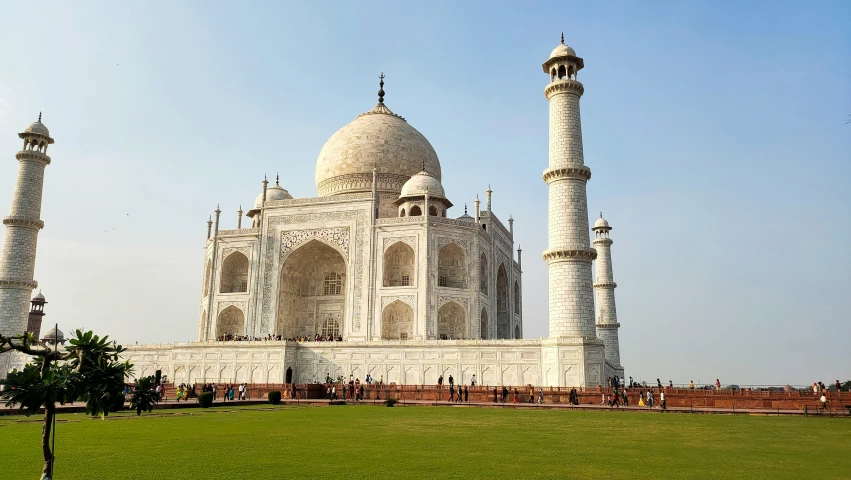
428,442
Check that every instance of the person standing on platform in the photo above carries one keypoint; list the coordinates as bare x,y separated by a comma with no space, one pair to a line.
504,394
466,395
717,384
691,384
664,402
451,381
494,394
473,381
451,392
540,396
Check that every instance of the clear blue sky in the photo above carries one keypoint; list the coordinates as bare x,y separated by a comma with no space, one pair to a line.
715,132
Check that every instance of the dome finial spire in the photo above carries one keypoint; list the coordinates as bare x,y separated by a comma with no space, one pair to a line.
39,117
562,38
381,88
278,179
601,214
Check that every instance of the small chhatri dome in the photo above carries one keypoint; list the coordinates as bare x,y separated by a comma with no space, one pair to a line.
466,217
54,335
39,297
275,192
37,128
423,184
562,50
602,223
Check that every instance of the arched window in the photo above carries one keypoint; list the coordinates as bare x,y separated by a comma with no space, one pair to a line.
313,276
207,279
451,322
230,322
571,73
452,267
561,72
330,326
484,324
416,211
399,265
333,284
235,274
397,321
516,297
432,210
483,274
402,214
503,326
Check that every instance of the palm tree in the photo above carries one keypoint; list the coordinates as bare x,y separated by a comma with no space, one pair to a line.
88,369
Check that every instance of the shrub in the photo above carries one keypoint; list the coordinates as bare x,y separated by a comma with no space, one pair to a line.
274,397
205,399
117,403
390,402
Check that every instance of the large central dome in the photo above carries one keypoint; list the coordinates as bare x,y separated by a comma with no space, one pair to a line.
378,139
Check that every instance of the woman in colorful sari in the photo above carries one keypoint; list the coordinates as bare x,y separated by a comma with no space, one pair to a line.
179,392
230,393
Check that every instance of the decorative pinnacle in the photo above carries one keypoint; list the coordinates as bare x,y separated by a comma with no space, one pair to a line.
601,214
240,209
424,165
562,38
381,88
39,117
277,179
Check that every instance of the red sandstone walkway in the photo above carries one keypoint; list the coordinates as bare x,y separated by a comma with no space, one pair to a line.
171,404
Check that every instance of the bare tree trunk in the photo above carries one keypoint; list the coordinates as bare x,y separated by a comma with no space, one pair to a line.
47,472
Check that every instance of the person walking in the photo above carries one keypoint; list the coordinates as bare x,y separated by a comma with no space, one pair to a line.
451,392
466,395
473,381
649,398
717,384
691,384
540,396
516,399
664,402
451,381
494,394
504,393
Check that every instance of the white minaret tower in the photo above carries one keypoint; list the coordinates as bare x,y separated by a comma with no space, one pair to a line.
604,286
569,255
17,263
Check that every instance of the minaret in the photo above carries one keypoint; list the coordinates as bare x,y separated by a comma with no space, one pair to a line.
17,263
36,314
569,255
604,285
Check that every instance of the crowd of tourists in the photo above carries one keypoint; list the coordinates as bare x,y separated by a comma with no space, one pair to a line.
351,391
229,337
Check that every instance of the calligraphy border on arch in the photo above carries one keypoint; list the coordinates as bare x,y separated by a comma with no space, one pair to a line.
223,305
292,239
463,301
245,250
443,241
411,241
408,299
272,248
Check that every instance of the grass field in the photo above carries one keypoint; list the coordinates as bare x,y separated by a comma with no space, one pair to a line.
426,442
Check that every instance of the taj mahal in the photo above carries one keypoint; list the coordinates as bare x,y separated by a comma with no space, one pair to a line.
374,275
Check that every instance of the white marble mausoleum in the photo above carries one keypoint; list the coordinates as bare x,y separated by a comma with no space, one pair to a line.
405,290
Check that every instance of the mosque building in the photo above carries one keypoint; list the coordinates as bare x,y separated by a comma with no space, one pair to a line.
376,267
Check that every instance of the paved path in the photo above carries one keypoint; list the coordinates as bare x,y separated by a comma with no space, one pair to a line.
79,407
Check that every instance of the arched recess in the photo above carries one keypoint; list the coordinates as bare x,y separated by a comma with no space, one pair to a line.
484,324
230,322
416,211
202,333
432,211
311,290
399,265
207,270
517,332
397,321
451,322
483,274
517,297
503,326
452,266
235,273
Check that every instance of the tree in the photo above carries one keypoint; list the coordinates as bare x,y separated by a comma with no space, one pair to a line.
87,369
144,395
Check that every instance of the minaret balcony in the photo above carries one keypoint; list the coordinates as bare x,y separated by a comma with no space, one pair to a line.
16,221
580,172
606,285
33,155
564,86
562,255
